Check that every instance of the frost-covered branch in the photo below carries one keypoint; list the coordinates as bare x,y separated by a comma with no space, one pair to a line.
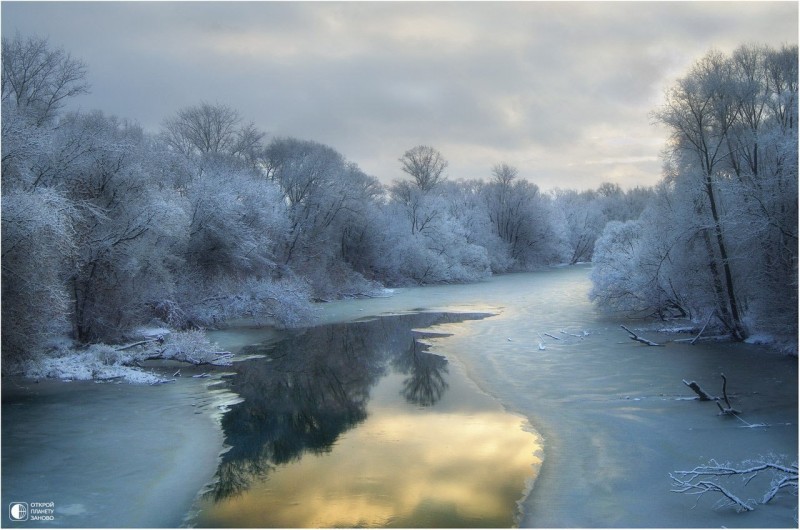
702,487
707,479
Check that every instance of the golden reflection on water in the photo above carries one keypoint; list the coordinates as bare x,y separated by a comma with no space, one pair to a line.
398,469
359,424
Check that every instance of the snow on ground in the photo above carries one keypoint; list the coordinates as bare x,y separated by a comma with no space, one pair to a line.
104,362
99,362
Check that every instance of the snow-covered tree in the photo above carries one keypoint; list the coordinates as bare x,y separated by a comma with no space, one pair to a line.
425,165
38,79
722,228
521,216
38,237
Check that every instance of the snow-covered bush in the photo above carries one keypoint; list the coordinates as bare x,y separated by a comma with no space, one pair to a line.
190,346
206,302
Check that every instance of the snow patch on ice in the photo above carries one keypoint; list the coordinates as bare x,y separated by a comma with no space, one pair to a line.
98,362
102,362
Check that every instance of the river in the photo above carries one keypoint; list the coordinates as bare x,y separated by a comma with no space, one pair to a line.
596,419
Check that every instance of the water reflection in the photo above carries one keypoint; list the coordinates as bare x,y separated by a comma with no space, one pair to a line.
297,458
426,382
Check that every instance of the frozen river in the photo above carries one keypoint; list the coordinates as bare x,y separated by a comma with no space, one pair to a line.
611,411
545,374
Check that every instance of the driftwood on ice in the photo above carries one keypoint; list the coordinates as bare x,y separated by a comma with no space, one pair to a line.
637,338
705,396
701,394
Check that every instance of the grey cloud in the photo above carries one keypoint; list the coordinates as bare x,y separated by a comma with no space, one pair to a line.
530,83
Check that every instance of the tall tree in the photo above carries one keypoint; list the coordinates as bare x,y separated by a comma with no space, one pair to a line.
207,129
700,110
426,166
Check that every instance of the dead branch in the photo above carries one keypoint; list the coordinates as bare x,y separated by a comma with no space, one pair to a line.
140,343
163,382
729,409
722,470
703,329
637,338
702,394
702,487
706,338
552,336
777,485
700,480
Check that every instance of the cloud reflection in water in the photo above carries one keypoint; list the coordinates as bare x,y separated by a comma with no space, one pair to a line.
359,425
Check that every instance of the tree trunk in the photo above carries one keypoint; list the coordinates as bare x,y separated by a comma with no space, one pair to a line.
737,329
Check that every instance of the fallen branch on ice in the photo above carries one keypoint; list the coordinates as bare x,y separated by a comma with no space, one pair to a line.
729,409
705,396
705,479
637,338
702,394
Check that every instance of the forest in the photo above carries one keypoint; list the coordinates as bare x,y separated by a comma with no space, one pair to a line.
107,227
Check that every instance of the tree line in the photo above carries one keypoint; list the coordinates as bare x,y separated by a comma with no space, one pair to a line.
106,227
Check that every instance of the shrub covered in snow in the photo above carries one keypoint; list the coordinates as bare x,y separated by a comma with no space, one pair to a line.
192,346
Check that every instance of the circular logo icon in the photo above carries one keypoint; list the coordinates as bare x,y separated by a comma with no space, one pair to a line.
18,511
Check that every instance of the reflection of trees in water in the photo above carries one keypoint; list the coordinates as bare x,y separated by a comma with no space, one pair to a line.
426,382
315,385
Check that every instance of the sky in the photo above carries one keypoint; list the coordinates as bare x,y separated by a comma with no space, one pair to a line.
563,91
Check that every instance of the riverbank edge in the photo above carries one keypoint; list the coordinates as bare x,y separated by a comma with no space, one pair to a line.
526,423
199,437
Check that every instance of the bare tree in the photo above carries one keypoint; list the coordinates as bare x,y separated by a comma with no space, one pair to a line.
38,79
426,166
206,128
504,174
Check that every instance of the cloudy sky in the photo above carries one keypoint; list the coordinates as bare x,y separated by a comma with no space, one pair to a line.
561,90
